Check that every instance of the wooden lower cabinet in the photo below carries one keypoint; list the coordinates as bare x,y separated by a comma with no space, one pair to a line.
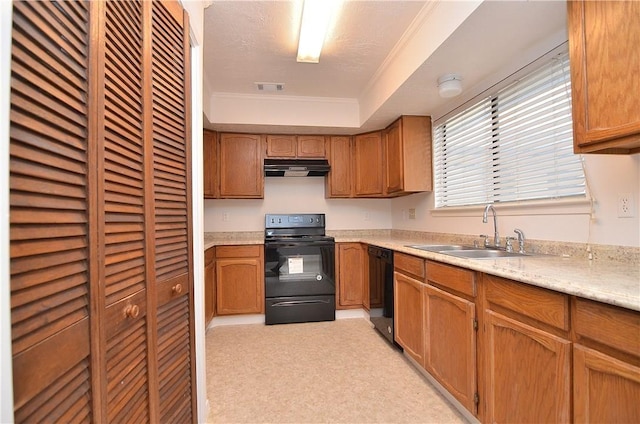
352,274
528,373
408,316
209,285
239,274
450,343
605,389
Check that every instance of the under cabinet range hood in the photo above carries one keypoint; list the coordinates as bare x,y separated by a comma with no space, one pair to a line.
296,167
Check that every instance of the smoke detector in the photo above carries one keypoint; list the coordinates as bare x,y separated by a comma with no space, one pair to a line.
270,86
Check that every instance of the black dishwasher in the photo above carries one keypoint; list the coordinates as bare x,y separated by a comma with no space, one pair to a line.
381,291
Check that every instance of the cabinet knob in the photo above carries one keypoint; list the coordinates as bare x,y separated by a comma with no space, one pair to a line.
177,289
132,311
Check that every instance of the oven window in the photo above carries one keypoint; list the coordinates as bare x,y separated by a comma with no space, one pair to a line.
301,267
312,265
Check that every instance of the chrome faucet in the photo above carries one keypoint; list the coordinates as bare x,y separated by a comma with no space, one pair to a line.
496,237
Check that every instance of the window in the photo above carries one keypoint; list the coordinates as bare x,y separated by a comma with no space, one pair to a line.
513,145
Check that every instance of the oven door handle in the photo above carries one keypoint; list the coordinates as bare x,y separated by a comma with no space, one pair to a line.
286,303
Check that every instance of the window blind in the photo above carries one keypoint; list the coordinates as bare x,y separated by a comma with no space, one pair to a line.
513,145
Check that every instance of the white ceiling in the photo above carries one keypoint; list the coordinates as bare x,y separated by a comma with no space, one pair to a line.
381,60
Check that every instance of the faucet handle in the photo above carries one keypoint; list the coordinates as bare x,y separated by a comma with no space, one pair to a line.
486,240
520,234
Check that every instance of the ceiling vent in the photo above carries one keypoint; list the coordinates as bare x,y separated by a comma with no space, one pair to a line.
270,86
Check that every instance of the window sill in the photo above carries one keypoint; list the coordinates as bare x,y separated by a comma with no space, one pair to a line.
581,206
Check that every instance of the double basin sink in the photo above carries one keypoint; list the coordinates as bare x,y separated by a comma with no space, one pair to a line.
468,252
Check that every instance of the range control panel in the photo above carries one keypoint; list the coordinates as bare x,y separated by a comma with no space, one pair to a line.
313,220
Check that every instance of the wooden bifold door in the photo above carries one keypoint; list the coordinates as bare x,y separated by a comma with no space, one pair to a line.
101,250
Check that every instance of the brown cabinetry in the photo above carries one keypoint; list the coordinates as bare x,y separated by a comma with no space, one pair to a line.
241,171
209,285
450,330
101,266
368,165
239,274
351,275
408,155
211,170
408,319
605,68
606,363
527,353
292,146
339,179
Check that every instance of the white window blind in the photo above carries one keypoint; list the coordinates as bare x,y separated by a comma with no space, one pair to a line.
513,145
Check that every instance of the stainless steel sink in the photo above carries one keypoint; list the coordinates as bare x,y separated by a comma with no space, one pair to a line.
484,254
469,252
439,247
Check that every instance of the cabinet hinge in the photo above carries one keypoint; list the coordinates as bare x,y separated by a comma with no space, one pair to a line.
475,324
476,398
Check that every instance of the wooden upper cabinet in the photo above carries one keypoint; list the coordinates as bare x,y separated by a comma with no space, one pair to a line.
292,146
338,183
605,75
408,155
311,146
211,168
281,146
241,174
368,165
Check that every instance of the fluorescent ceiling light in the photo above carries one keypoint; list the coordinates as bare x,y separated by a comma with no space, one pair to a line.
316,18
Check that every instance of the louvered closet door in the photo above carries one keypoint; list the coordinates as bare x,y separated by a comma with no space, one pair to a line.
123,215
50,216
172,188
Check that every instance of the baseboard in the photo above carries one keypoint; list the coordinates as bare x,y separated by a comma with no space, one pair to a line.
350,313
259,318
444,392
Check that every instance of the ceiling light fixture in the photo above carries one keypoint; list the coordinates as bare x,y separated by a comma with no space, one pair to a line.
449,85
316,19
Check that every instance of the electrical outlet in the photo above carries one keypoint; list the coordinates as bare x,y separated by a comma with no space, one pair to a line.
367,216
225,216
625,205
412,213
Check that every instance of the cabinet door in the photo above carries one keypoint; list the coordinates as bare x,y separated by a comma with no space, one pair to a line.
368,165
605,389
528,373
408,316
339,178
209,285
394,163
281,146
605,64
241,173
311,146
210,155
352,275
239,288
450,343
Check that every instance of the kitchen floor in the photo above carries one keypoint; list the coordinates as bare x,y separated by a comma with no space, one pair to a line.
329,372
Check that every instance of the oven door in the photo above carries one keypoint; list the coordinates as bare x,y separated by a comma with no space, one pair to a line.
299,268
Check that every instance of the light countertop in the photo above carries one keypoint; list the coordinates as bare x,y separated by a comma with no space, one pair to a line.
604,280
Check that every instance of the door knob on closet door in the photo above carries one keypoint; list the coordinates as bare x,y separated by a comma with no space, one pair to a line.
177,289
132,311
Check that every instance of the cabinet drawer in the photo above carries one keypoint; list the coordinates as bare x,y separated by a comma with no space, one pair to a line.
613,326
458,279
540,304
248,251
409,264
